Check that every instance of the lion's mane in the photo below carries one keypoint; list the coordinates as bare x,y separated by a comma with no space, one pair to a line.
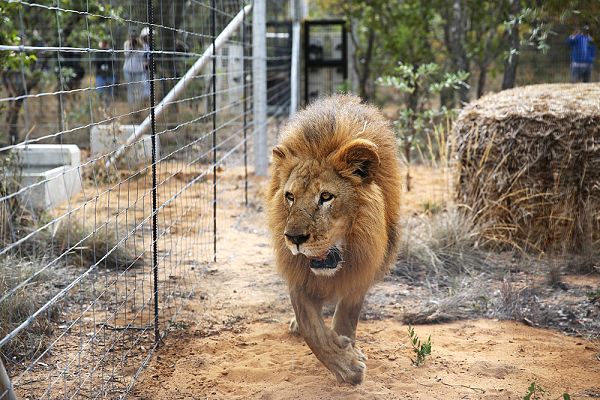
372,242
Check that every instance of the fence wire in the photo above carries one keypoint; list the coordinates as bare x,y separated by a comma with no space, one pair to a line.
98,257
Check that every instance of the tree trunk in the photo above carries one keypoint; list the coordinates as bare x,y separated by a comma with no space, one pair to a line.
12,119
510,66
481,81
364,75
19,84
15,87
414,105
455,37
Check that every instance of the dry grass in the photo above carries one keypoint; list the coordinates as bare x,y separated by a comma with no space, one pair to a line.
438,239
458,302
452,250
21,304
25,264
444,244
75,246
529,167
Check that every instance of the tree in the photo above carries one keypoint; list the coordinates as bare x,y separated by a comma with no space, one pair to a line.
458,35
21,72
10,62
485,39
363,17
384,32
456,15
418,85
514,42
572,12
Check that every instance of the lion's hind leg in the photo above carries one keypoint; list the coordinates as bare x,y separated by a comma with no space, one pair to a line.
345,318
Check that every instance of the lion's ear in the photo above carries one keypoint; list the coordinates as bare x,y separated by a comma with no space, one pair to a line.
358,158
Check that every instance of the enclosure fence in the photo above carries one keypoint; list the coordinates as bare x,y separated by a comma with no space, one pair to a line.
127,127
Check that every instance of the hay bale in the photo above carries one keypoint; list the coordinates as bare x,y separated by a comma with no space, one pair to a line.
529,166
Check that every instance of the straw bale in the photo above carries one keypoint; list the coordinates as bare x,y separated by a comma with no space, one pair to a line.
529,166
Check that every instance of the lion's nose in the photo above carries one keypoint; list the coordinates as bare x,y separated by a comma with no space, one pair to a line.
296,237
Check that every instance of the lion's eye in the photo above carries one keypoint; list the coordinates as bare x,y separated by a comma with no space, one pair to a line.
325,197
289,197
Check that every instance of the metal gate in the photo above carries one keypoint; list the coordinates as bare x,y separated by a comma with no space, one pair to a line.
325,58
279,58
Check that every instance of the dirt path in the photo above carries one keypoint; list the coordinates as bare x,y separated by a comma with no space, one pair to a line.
231,341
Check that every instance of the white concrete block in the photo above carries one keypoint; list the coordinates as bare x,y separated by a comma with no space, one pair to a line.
48,155
49,173
105,139
49,188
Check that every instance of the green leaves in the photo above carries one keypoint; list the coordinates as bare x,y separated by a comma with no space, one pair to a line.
451,81
419,83
9,35
421,350
534,391
427,78
77,29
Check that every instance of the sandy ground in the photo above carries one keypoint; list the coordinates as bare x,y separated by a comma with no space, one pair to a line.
231,341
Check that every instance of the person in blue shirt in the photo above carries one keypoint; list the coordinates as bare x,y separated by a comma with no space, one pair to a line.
583,54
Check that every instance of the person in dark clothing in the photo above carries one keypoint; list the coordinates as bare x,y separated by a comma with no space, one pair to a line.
583,54
105,76
69,70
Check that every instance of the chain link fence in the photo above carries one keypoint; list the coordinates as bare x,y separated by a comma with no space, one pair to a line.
120,122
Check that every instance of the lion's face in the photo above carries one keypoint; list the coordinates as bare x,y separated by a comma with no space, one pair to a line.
320,201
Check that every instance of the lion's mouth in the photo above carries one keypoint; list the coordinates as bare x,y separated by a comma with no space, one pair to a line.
330,260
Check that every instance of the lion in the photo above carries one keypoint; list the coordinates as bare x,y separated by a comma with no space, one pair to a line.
333,209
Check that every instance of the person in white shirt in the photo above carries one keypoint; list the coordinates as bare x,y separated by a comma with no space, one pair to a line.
134,68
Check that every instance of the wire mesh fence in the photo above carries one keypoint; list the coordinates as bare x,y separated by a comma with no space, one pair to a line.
121,119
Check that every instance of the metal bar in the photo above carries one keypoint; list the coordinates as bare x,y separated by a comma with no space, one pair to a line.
6,388
306,61
244,75
259,76
154,184
213,32
325,21
295,59
182,84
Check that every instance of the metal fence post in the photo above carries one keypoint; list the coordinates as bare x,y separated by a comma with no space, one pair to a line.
213,32
259,77
295,67
154,182
245,89
6,389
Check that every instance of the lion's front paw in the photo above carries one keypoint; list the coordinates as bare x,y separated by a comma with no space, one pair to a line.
350,366
352,371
